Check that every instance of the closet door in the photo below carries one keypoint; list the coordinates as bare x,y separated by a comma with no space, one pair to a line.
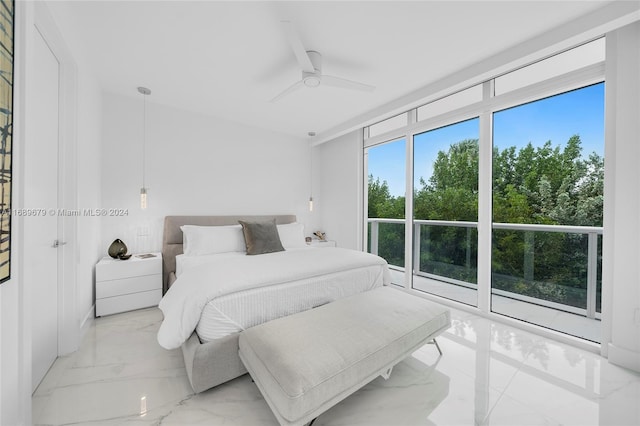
42,247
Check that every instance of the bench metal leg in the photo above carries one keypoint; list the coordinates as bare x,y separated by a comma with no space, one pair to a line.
387,373
435,342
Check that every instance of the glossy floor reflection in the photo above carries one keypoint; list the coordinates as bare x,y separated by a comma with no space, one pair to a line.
490,374
534,313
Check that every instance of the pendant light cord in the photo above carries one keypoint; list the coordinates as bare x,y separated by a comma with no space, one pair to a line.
143,191
144,140
311,135
144,92
311,168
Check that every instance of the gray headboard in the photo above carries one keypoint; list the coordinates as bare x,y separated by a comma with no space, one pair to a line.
172,236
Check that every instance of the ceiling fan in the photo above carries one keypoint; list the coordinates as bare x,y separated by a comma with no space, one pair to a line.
310,63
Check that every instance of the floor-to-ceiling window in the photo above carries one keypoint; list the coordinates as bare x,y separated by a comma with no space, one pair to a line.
445,211
386,204
548,180
520,154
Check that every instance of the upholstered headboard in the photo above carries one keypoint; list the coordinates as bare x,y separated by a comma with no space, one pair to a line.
172,236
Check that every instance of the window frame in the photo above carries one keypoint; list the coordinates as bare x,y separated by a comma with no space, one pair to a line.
571,80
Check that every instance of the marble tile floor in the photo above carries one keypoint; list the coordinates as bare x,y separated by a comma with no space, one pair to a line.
490,374
554,319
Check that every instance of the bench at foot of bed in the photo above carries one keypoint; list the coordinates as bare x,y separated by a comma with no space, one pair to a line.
306,363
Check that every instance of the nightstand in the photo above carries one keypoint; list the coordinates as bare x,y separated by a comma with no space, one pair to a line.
323,243
125,285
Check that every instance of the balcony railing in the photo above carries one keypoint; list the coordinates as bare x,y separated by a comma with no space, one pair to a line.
463,235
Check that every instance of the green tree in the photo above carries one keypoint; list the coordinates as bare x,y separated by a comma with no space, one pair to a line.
545,185
378,196
452,191
381,204
457,168
538,185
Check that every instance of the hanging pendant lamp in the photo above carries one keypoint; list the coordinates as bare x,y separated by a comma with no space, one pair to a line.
143,191
311,135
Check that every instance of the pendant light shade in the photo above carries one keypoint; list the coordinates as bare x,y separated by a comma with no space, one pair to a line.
311,135
143,191
143,198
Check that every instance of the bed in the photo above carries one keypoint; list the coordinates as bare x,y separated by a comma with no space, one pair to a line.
211,351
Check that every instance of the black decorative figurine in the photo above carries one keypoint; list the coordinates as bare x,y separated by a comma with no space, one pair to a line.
117,249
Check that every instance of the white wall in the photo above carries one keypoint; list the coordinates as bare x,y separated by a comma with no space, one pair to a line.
621,252
196,165
82,161
339,201
81,139
15,377
89,149
14,391
87,152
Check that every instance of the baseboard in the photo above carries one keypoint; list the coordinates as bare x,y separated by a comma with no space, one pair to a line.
624,357
87,321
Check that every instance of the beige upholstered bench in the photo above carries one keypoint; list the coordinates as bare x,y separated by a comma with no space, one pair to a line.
306,363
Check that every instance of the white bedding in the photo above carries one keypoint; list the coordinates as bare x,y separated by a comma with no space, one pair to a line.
184,263
239,291
238,311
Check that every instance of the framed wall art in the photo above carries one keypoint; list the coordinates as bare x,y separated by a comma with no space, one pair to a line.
6,133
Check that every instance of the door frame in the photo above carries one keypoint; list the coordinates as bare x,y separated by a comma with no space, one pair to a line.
68,322
38,18
69,333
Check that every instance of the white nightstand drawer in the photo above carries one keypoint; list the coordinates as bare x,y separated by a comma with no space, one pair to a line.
114,269
125,285
128,285
323,243
128,302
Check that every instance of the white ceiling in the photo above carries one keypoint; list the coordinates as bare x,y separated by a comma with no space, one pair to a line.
228,59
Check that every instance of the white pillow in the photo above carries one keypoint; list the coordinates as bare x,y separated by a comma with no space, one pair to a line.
292,235
202,240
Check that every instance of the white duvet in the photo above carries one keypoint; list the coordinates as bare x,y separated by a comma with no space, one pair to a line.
183,304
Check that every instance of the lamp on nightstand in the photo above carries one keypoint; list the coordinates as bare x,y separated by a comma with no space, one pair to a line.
311,135
143,191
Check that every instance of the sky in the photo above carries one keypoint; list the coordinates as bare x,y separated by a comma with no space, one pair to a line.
556,119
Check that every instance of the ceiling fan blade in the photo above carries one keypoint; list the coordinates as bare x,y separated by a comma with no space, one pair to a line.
297,47
343,83
288,90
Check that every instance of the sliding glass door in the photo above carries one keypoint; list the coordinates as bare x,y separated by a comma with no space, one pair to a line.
548,180
445,211
519,157
386,187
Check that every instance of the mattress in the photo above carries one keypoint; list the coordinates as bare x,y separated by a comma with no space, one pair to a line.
238,311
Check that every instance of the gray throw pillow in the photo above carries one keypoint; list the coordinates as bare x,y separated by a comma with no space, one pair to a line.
261,237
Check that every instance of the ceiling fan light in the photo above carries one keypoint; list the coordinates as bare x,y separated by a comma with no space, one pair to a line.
312,81
310,63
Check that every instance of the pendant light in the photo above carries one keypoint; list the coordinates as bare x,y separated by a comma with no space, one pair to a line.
311,135
143,191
